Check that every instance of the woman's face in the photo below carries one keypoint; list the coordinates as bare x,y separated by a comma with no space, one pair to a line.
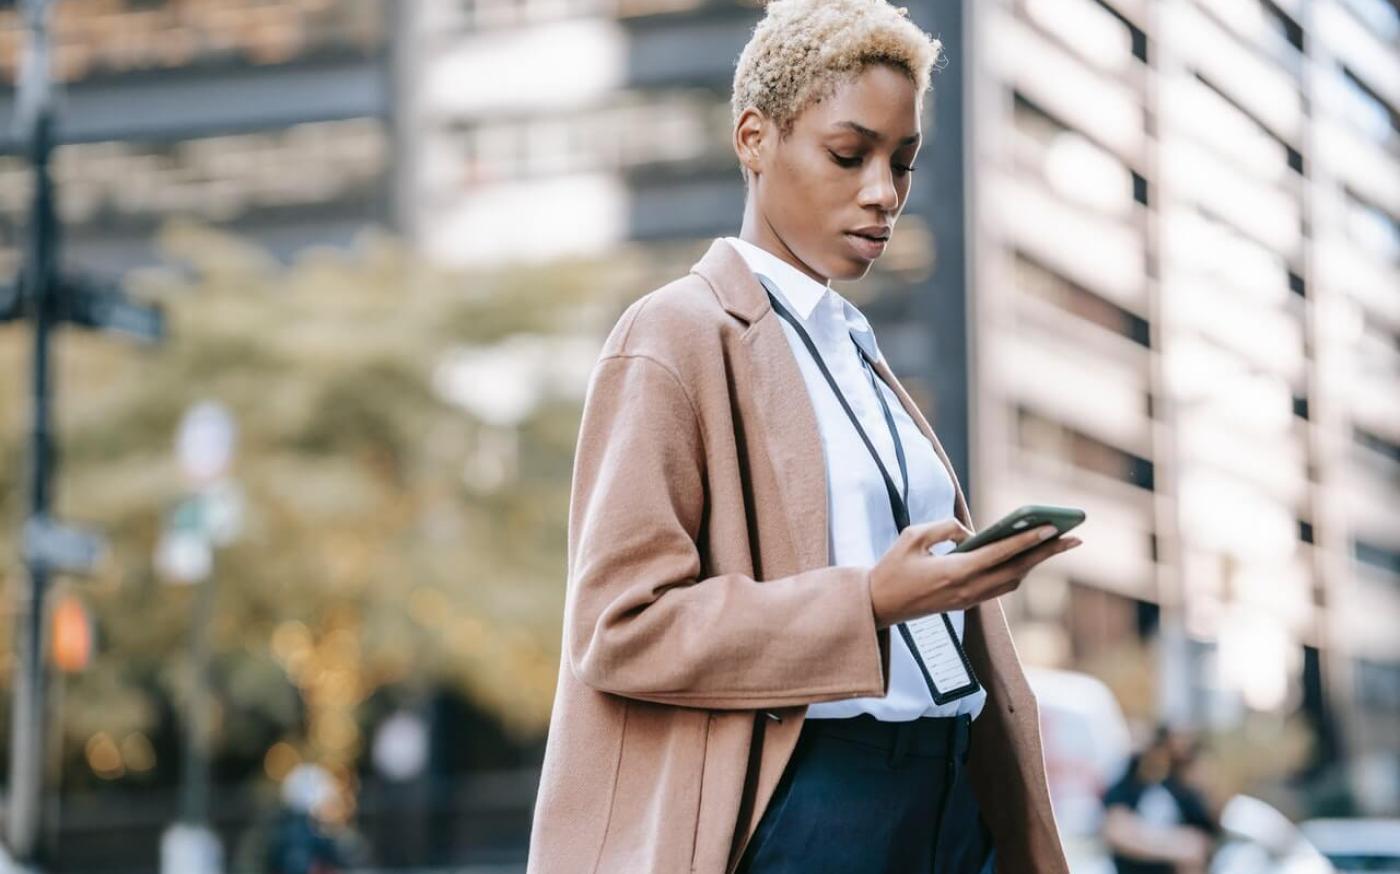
843,169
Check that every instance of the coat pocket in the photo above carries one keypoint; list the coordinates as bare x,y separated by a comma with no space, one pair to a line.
656,802
700,788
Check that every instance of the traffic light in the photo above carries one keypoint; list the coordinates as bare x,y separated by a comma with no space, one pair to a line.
71,640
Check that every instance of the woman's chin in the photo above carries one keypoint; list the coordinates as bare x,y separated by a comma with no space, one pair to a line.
851,269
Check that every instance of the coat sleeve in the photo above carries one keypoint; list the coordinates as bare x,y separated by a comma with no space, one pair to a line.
640,622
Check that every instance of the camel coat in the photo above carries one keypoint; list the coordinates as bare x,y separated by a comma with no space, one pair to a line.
701,616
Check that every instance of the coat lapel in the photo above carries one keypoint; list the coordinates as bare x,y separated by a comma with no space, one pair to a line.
791,439
790,435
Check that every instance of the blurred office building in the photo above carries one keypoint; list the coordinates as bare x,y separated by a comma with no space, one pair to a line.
1149,266
1185,256
270,119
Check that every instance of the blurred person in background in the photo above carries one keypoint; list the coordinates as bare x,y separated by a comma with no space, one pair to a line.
1155,820
302,839
755,504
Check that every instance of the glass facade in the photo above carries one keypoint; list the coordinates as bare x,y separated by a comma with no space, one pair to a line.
1187,273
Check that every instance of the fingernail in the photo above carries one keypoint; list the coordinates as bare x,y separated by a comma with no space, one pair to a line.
1047,532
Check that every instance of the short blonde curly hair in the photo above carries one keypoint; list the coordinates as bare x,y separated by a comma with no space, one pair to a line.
802,49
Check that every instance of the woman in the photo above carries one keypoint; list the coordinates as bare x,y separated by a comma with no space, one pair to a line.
755,502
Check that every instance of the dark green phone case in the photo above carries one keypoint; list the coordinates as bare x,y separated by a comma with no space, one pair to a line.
1023,519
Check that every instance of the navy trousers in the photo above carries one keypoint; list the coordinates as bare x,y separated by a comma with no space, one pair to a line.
860,796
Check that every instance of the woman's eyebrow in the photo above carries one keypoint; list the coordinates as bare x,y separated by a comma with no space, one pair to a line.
873,134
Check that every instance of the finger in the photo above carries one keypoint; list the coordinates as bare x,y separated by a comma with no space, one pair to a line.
1022,564
1017,566
1006,588
986,587
1039,553
995,553
967,566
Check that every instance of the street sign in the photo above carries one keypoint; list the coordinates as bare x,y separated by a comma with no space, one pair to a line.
92,303
102,305
188,848
223,510
205,441
184,555
9,302
62,548
400,749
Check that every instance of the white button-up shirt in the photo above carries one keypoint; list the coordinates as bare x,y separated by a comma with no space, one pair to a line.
860,525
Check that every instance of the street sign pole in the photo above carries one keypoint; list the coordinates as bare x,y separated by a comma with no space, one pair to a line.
37,281
49,299
194,786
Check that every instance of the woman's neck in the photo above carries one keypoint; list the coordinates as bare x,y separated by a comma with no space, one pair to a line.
759,232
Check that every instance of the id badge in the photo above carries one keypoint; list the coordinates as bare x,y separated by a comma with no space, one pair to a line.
940,657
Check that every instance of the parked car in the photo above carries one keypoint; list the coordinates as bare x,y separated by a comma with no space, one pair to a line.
1370,845
1259,839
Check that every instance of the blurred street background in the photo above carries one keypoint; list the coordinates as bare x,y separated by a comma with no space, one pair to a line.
1150,267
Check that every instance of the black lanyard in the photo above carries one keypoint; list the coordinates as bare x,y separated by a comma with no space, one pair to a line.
899,502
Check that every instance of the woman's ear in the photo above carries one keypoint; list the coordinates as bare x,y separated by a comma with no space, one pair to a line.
749,132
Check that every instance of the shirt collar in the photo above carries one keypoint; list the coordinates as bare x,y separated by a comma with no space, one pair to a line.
860,329
803,294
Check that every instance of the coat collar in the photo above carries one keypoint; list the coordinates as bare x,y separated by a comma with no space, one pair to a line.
735,285
789,423
799,291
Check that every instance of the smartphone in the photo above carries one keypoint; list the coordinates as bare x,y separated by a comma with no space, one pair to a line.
1023,519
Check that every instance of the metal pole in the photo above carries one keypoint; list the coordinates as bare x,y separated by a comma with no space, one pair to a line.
947,301
194,788
37,285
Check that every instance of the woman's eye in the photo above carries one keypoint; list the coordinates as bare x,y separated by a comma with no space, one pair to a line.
854,161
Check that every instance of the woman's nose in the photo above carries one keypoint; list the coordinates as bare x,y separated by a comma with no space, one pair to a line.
879,190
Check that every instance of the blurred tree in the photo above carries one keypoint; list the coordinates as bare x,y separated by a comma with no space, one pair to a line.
405,445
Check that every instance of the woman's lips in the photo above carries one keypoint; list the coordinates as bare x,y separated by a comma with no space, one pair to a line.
867,248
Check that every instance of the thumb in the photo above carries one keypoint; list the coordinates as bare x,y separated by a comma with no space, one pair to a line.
927,534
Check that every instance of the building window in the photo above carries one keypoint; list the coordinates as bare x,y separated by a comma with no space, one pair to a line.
1374,555
1372,227
1366,109
1378,685
1047,437
1380,17
1036,279
115,38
